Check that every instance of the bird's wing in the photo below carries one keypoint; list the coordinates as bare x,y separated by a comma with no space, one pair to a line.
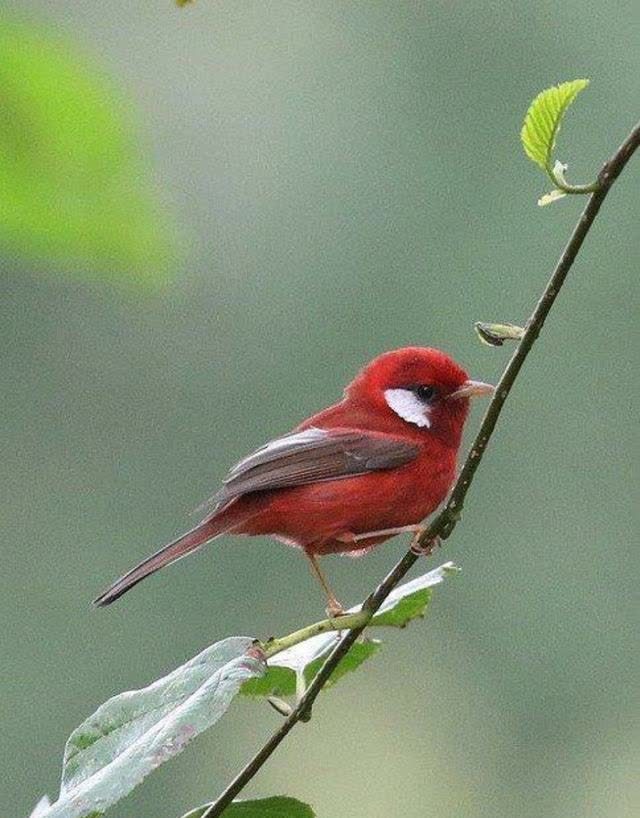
310,456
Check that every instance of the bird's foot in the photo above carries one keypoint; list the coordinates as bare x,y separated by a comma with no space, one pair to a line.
424,549
334,609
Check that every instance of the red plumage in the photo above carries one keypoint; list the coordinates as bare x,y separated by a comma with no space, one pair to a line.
381,459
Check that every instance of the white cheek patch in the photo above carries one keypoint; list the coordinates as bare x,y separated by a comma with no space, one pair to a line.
408,406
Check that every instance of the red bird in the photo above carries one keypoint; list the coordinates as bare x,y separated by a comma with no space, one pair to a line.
373,465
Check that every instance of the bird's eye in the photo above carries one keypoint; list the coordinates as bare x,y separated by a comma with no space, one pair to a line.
425,393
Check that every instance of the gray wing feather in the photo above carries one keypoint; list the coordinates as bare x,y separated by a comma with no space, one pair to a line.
312,456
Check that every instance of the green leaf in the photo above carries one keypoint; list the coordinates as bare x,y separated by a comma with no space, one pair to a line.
75,190
543,119
405,603
283,680
276,807
358,654
133,733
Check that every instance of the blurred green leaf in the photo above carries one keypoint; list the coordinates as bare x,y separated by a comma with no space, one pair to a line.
543,119
74,189
405,603
133,733
276,807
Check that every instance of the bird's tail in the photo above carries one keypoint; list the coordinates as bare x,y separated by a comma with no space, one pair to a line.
172,552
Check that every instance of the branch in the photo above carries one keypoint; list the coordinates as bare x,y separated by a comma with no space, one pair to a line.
347,621
445,522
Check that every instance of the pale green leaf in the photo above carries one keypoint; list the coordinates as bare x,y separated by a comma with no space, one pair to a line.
276,807
543,119
75,189
406,602
135,732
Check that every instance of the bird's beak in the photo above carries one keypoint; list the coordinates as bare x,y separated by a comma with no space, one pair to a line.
470,389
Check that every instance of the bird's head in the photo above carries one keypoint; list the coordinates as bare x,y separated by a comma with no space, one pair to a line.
420,386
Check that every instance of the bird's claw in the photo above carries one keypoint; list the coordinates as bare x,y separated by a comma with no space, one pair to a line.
334,609
424,549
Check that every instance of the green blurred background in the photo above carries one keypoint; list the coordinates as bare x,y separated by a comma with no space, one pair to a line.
344,178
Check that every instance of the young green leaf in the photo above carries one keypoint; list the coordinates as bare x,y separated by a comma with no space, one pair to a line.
276,807
74,187
543,119
133,733
406,602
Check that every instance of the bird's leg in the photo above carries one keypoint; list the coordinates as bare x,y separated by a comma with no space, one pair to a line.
334,608
384,532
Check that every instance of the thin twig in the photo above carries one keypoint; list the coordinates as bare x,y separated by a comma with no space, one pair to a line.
443,525
346,622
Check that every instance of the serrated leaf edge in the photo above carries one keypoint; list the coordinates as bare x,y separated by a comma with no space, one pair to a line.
542,121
